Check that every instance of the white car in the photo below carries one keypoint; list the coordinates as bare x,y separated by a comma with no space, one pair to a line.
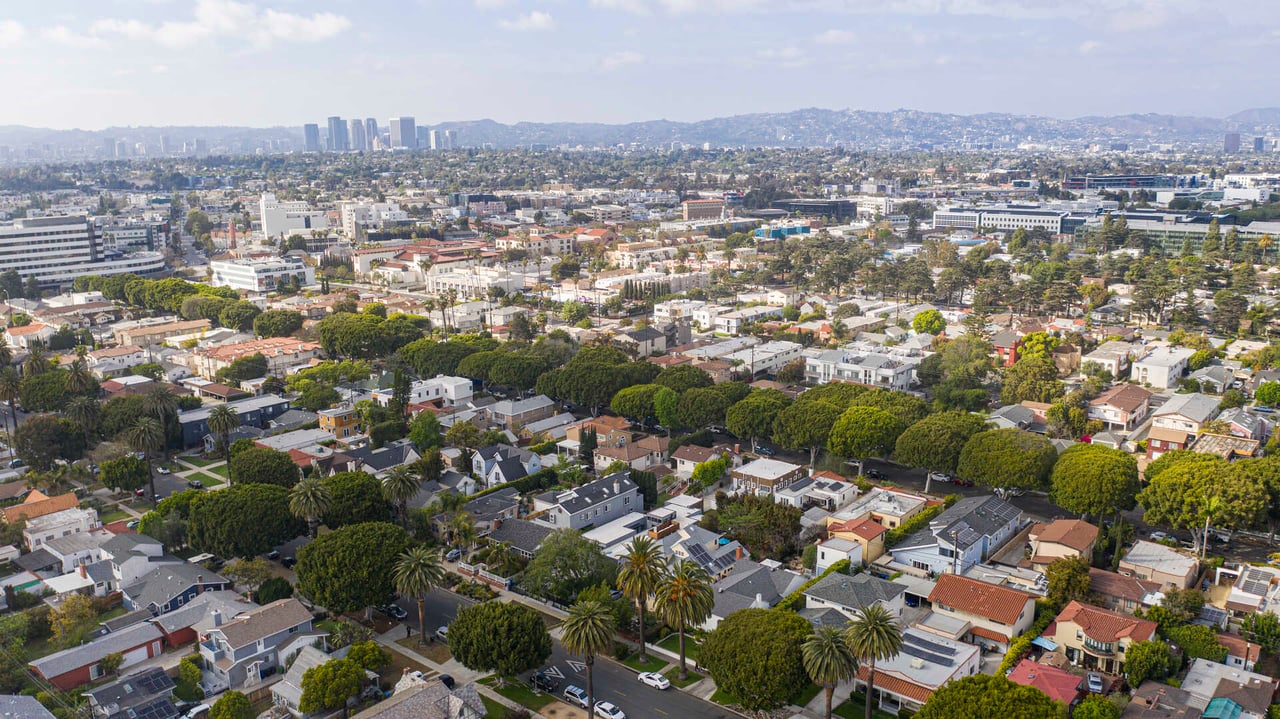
609,711
655,680
162,470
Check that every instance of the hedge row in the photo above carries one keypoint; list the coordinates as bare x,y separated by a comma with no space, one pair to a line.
542,479
792,602
1045,613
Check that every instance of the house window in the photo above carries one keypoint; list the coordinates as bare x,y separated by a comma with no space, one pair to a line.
920,565
95,671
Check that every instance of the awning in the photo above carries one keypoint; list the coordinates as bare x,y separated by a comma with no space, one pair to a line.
1045,643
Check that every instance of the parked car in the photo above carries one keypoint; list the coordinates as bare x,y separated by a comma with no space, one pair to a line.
394,611
273,554
197,712
655,680
442,633
453,555
289,562
1094,681
133,523
962,482
15,463
447,681
576,695
140,492
162,470
873,474
608,710
195,484
939,477
1160,537
543,682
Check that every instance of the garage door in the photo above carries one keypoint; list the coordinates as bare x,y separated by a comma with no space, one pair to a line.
134,656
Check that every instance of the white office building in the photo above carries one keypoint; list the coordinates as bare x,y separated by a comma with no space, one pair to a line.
261,275
56,250
281,218
357,216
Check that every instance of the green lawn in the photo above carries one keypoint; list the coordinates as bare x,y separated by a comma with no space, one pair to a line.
672,644
811,690
220,470
492,709
855,709
437,652
327,625
114,515
209,480
200,461
673,675
654,664
723,698
520,694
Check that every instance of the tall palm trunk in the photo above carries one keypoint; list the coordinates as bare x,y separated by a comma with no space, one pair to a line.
422,620
591,685
684,670
640,611
151,479
871,687
829,689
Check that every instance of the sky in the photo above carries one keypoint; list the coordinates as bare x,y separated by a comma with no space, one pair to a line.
98,63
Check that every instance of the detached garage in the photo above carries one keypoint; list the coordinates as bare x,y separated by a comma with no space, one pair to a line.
77,666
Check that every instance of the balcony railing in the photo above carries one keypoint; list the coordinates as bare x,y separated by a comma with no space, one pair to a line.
1099,648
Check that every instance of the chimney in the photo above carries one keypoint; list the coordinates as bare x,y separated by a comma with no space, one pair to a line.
199,583
84,571
217,618
738,554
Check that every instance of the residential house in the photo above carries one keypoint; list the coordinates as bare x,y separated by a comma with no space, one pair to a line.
689,456
1224,691
37,504
592,504
1214,379
80,665
113,361
1006,345
170,586
836,549
821,489
925,664
417,697
341,421
245,650
132,557
610,431
846,365
865,532
1016,416
491,510
76,549
642,342
849,594
1254,590
524,537
500,463
1161,440
253,412
1123,406
968,532
642,454
1246,424
26,336
1120,593
885,506
1226,446
513,414
287,693
995,614
750,585
147,694
39,530
553,428
1113,357
441,390
1241,653
1162,366
379,461
764,476
281,353
712,551
21,706
1097,638
1059,684
1061,538
1158,700
1186,412
1158,563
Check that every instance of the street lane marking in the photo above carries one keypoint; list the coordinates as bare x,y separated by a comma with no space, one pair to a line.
554,671
576,666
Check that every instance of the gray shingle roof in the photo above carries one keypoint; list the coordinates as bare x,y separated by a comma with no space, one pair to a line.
521,534
972,518
484,508
88,654
263,622
593,493
38,559
122,545
860,590
21,706
164,583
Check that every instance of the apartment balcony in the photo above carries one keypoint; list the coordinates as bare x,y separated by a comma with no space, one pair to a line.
1099,649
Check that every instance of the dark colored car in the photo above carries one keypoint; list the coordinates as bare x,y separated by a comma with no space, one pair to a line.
447,681
873,474
961,482
288,562
543,682
195,484
273,554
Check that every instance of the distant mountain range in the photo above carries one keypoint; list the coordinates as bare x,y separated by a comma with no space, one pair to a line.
811,127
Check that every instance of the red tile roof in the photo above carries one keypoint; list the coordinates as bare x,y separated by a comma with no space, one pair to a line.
896,685
865,528
1074,533
1238,646
1061,686
1000,604
1106,626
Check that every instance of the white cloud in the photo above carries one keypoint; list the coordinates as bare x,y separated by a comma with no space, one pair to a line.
228,19
835,37
621,59
1088,46
63,35
529,22
11,33
783,56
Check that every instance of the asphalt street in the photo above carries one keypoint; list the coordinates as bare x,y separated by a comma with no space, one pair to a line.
613,682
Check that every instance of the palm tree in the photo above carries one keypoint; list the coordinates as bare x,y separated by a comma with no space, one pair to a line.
10,389
146,436
309,499
641,571
6,353
500,555
84,411
37,362
79,378
223,420
399,486
163,405
462,527
684,598
416,573
872,636
588,631
828,660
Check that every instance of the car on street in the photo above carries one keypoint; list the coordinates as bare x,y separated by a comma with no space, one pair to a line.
442,634
393,611
1160,536
962,482
655,680
576,695
447,681
289,562
453,555
1094,682
939,477
543,682
273,554
133,523
873,474
162,470
764,451
195,484
608,710
15,463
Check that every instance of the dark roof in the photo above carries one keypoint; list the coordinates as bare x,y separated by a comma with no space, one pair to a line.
511,469
590,494
644,334
521,534
163,583
21,706
133,689
485,507
37,560
973,518
860,590
825,617
127,620
392,455
122,545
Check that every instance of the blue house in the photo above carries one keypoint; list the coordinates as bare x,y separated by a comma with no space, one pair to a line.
962,536
253,412
170,586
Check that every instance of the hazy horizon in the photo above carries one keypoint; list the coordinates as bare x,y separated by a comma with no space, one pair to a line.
268,63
